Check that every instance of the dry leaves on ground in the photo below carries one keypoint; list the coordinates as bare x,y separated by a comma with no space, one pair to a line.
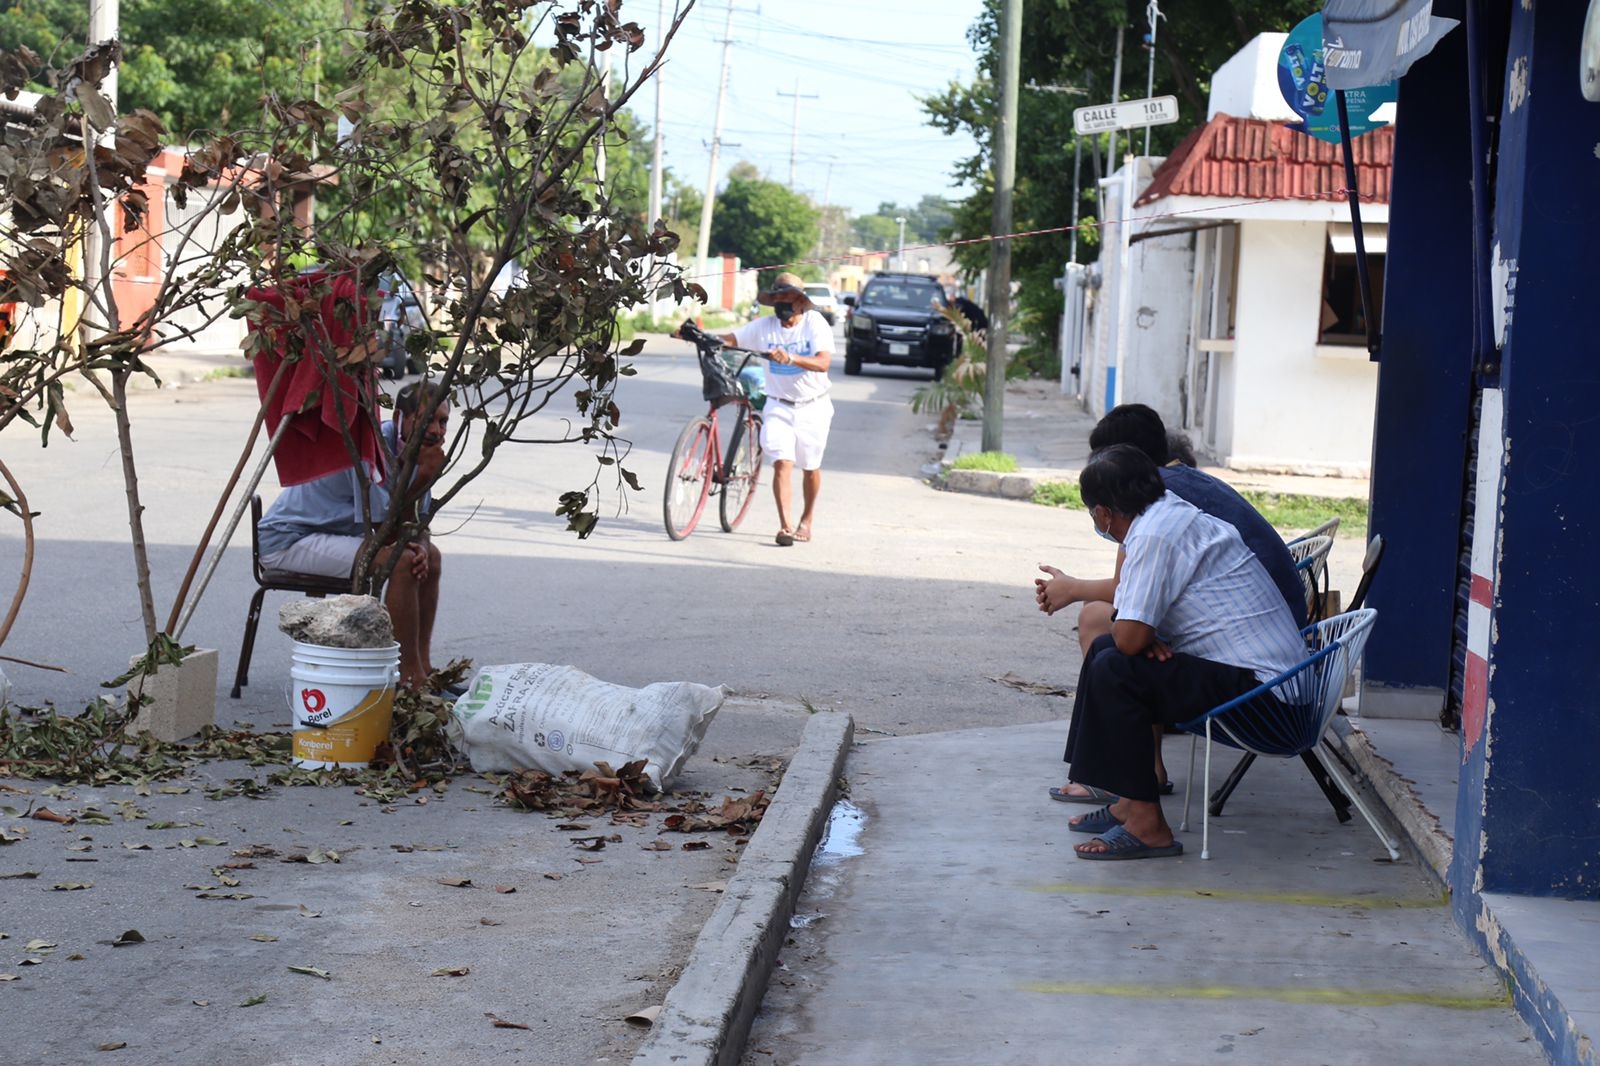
735,815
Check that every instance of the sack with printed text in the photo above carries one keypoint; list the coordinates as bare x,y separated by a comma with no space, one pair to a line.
558,718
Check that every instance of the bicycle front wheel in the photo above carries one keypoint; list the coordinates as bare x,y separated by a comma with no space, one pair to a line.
743,472
688,479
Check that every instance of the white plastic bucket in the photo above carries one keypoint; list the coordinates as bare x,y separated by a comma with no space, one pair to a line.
342,700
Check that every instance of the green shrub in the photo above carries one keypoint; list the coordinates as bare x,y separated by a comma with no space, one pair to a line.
994,462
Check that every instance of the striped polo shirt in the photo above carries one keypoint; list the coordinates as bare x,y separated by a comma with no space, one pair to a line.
1190,577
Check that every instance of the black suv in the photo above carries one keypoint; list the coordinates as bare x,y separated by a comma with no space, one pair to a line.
898,319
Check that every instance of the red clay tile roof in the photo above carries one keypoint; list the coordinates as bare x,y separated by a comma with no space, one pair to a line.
1246,158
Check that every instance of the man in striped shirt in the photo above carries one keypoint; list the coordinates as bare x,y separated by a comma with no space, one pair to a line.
1197,621
1139,425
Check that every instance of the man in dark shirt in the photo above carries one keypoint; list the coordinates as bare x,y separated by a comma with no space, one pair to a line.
1141,426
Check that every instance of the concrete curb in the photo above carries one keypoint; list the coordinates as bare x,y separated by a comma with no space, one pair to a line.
707,1015
1018,486
1419,829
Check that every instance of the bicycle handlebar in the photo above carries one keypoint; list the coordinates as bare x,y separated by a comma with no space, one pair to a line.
711,343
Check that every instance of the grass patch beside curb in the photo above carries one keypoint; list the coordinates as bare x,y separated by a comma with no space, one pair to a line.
1058,494
1284,510
993,462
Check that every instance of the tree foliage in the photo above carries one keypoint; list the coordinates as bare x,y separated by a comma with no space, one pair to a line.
763,223
451,112
1072,43
927,222
197,64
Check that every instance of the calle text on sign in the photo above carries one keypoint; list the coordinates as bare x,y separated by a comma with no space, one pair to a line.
1127,115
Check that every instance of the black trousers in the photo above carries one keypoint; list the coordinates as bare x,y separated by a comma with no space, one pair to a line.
1111,743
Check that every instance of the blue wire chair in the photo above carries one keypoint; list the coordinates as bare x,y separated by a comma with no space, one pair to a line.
1310,555
1286,716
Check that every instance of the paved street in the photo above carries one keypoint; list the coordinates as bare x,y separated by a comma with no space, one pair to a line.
901,609
905,601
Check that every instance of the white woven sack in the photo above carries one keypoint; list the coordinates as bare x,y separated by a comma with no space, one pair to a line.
557,718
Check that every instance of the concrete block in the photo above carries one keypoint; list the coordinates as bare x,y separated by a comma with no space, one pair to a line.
183,698
1016,486
981,482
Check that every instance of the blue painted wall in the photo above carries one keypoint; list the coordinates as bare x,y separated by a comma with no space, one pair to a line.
1530,782
1419,447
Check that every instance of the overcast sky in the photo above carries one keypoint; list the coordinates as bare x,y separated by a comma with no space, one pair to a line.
862,140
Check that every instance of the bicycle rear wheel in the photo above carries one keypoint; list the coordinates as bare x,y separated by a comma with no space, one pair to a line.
743,471
688,479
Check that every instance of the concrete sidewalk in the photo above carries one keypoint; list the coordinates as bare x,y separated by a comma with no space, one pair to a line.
965,930
1545,946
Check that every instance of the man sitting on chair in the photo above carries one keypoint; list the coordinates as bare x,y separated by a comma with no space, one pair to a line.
1141,426
318,527
1196,621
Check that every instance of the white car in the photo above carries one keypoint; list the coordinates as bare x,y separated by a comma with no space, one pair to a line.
823,300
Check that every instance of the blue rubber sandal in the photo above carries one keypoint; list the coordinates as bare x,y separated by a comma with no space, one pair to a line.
1121,844
1095,822
1094,795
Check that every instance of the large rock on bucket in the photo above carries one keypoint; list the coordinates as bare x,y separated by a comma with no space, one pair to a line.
337,622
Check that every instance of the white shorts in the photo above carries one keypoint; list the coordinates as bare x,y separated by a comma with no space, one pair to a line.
326,554
796,433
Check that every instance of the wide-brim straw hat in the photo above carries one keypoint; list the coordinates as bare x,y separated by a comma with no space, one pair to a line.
789,289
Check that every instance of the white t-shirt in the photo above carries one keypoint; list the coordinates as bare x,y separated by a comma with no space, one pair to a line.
810,335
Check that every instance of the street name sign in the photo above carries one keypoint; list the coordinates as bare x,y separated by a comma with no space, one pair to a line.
1127,115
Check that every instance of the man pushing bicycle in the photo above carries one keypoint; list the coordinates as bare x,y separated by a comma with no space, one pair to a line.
796,421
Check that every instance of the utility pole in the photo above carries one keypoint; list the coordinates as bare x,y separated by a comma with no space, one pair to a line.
104,25
1077,171
1116,96
1005,176
1152,14
655,157
794,129
600,141
702,246
900,256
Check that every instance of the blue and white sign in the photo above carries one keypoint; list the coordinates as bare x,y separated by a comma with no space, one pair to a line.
1302,78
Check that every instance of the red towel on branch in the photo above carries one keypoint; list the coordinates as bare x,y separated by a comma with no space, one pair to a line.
310,319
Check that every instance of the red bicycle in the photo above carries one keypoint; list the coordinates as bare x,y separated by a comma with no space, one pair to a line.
699,468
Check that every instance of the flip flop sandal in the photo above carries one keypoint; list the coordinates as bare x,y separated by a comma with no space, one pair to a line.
1097,821
1094,795
1121,844
784,538
1166,788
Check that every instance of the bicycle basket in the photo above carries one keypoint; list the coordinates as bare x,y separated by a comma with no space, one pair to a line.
720,383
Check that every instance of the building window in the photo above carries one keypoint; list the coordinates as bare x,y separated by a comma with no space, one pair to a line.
1343,321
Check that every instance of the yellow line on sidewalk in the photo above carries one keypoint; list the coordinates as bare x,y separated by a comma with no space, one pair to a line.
1229,895
1333,997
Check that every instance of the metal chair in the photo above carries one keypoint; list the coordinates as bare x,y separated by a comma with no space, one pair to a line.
281,580
1310,556
1288,715
1327,529
1338,800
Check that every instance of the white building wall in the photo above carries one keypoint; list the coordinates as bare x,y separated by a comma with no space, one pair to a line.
1297,406
192,234
1246,86
1162,274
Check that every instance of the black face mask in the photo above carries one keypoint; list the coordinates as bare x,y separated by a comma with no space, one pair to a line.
785,312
